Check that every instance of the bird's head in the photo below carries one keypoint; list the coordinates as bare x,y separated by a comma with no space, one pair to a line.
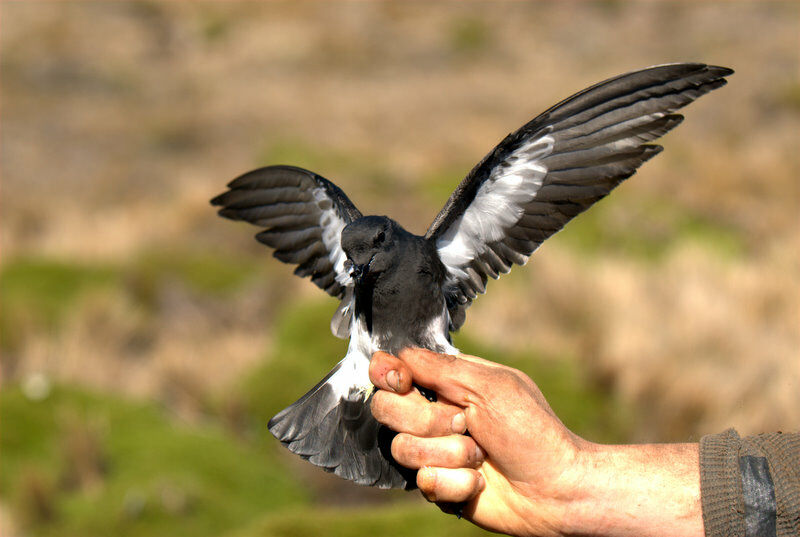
370,244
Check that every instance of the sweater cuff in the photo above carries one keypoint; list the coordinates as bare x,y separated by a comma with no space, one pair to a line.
721,485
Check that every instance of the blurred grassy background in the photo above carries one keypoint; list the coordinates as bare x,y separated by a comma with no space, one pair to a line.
145,341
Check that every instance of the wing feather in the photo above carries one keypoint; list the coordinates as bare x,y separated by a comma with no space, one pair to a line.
553,168
303,215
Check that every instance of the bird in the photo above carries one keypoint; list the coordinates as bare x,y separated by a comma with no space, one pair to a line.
397,289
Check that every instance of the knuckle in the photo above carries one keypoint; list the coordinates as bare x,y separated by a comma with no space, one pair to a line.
459,451
428,421
379,365
406,352
508,376
378,405
447,358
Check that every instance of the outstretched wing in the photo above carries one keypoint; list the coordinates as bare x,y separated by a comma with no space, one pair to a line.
303,215
553,168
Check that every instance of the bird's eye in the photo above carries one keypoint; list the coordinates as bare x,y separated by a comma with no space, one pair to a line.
379,238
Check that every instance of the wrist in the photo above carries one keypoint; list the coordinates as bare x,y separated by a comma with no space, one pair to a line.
648,489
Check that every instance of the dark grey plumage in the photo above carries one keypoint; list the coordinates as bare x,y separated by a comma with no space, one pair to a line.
399,293
398,289
283,201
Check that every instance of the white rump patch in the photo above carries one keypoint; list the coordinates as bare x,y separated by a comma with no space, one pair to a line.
353,375
497,205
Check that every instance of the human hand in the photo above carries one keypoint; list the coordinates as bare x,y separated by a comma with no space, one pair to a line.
518,470
521,471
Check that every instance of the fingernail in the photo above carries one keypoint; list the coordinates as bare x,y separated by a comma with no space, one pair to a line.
393,378
481,483
459,423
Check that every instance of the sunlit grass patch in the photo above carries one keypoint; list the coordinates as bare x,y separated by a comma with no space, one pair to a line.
303,352
201,271
440,182
215,24
413,520
719,239
788,96
49,286
645,229
297,152
81,463
470,35
40,292
341,167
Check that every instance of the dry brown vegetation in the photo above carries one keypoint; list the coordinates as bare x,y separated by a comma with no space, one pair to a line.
120,120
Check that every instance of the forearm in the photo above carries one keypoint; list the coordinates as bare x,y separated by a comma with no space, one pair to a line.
643,490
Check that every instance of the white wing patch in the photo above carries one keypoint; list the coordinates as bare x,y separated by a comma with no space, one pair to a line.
497,206
332,226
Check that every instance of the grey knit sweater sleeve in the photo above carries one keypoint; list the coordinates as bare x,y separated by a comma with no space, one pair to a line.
750,486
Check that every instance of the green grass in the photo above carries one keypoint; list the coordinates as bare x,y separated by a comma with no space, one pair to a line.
304,351
296,152
337,166
158,477
438,184
470,35
40,292
50,286
214,24
788,96
202,272
412,520
645,230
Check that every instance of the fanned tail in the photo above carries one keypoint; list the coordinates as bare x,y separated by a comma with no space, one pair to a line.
332,427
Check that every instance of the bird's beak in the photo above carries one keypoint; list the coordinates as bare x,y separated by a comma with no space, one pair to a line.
357,272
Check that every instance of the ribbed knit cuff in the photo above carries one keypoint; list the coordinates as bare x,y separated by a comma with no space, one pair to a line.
721,485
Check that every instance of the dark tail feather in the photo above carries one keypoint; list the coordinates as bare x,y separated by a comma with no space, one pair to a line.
339,434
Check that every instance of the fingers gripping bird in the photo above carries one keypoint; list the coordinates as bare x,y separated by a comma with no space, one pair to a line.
397,289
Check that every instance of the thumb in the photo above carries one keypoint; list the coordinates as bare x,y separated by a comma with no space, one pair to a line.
457,378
